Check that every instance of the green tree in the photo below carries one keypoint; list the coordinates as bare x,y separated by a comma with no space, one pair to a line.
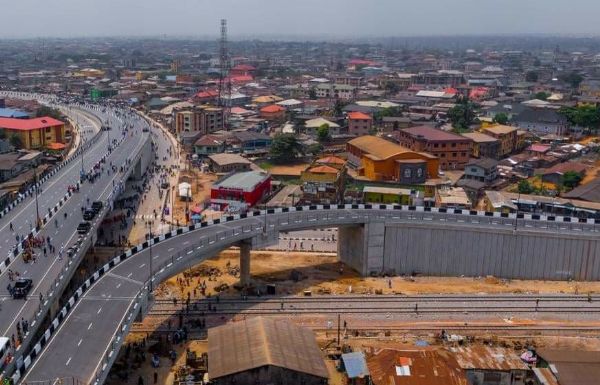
525,187
571,179
587,117
2,134
338,107
391,88
47,111
314,148
285,148
542,95
573,78
501,118
15,141
531,76
323,134
462,115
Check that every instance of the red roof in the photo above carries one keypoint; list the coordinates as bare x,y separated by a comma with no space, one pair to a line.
207,94
361,62
272,108
243,67
29,124
356,115
331,160
451,91
538,148
240,79
56,146
432,134
323,170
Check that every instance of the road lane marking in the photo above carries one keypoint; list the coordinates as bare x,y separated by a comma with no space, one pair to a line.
68,361
90,325
99,310
80,341
142,265
118,286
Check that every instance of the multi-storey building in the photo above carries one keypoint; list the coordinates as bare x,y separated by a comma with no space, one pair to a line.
507,136
452,150
199,119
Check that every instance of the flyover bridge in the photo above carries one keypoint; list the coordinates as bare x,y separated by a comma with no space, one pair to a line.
84,338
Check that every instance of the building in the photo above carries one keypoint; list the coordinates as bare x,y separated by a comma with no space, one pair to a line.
101,93
273,112
209,144
493,366
452,150
200,119
483,170
506,135
589,192
381,160
355,366
542,121
415,367
241,190
359,123
37,133
555,173
263,351
394,123
452,198
312,125
569,367
15,114
483,146
227,163
335,91
252,142
324,181
495,201
387,195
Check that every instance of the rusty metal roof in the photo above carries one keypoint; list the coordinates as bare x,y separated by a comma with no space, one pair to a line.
573,367
545,376
489,358
257,342
415,367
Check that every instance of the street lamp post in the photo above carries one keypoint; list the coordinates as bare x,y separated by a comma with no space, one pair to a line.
37,207
149,225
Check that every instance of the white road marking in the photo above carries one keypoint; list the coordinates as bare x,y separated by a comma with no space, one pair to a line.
69,360
80,341
142,265
129,275
118,286
99,310
90,326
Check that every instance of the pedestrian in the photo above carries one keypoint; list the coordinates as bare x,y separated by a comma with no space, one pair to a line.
11,227
389,283
45,251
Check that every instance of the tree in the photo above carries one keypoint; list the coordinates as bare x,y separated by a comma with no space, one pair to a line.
323,134
391,88
338,107
47,111
525,187
15,141
2,134
501,118
542,95
573,78
571,179
462,115
314,148
531,76
285,148
587,117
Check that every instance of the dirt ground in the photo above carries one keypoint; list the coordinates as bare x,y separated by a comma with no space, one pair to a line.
323,273
201,184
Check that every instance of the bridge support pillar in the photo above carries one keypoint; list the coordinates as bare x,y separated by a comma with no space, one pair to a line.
245,248
361,247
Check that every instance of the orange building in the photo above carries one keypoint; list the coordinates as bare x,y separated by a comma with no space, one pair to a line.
35,133
381,160
272,112
359,123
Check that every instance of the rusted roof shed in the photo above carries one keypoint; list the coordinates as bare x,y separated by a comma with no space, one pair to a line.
488,358
415,367
575,367
258,342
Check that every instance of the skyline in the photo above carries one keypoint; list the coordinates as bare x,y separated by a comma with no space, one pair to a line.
338,19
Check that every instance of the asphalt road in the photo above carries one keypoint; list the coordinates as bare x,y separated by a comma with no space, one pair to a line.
46,269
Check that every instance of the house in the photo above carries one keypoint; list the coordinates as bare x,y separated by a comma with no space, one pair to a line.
263,351
311,126
252,142
571,367
542,121
394,123
36,133
209,144
15,114
387,195
492,365
381,160
15,163
359,123
483,146
538,149
495,201
335,91
589,192
355,366
507,136
415,367
555,173
240,190
273,112
452,197
452,150
483,170
203,119
322,183
226,163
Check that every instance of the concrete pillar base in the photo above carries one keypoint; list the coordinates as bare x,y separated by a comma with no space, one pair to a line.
245,248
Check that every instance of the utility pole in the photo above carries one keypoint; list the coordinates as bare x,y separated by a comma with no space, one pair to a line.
149,225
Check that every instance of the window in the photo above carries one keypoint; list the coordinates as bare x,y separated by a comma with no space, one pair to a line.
463,154
407,173
453,144
443,145
435,145
454,155
419,172
443,154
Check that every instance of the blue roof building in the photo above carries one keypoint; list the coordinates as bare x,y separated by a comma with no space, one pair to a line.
355,365
10,113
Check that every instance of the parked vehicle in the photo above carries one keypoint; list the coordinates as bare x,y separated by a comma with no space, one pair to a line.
22,287
84,227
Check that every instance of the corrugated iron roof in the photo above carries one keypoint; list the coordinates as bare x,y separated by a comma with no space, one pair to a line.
415,367
355,364
257,342
489,358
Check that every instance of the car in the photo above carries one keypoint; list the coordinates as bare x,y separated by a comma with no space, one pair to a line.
89,214
97,206
84,227
22,287
71,251
164,185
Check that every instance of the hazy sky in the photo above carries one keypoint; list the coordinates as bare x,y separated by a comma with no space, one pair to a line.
340,18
